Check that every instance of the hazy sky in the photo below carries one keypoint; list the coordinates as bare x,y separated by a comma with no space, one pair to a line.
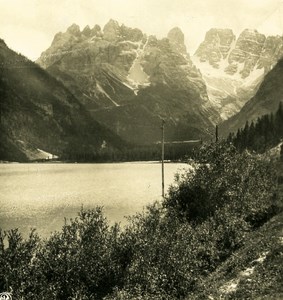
28,26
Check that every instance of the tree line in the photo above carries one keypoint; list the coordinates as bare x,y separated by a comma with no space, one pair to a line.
261,135
173,152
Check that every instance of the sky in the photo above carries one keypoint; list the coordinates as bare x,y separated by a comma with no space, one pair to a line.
28,26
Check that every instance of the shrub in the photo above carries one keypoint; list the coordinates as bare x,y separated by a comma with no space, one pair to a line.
18,270
79,262
222,177
81,258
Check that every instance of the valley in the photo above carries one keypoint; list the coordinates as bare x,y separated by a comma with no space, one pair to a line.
85,129
125,82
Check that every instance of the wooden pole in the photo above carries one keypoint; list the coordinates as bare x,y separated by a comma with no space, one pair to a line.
216,133
162,157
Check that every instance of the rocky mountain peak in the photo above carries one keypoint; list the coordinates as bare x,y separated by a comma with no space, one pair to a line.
111,30
175,35
96,30
247,50
130,34
177,39
224,36
252,35
74,29
215,46
234,68
58,36
86,31
124,75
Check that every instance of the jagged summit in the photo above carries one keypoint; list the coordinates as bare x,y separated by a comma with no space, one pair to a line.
96,28
131,34
215,46
177,38
234,67
126,78
111,23
176,35
242,56
87,31
111,30
74,29
96,31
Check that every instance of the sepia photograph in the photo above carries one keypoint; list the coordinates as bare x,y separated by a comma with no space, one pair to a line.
141,149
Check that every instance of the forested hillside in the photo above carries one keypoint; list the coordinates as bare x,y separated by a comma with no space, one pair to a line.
40,113
261,135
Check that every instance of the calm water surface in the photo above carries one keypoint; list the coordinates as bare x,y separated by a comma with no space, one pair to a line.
41,195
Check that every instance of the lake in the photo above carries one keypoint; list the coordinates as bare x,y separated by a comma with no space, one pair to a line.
41,195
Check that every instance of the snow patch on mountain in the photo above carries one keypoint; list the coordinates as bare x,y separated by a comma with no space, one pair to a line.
233,68
137,77
45,155
208,70
222,86
102,91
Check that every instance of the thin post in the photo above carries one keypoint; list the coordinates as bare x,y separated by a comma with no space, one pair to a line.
162,157
216,133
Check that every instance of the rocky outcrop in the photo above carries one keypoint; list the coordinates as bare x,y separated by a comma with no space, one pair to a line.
177,39
272,51
131,34
87,31
251,51
216,46
74,30
247,52
111,31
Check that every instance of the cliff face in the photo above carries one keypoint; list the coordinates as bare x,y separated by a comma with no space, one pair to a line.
216,46
234,68
246,53
124,77
241,56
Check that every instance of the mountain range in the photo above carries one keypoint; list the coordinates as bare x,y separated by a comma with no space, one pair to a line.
114,86
233,68
130,81
126,78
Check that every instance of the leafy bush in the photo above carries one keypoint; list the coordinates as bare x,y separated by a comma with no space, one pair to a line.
17,263
223,177
79,261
